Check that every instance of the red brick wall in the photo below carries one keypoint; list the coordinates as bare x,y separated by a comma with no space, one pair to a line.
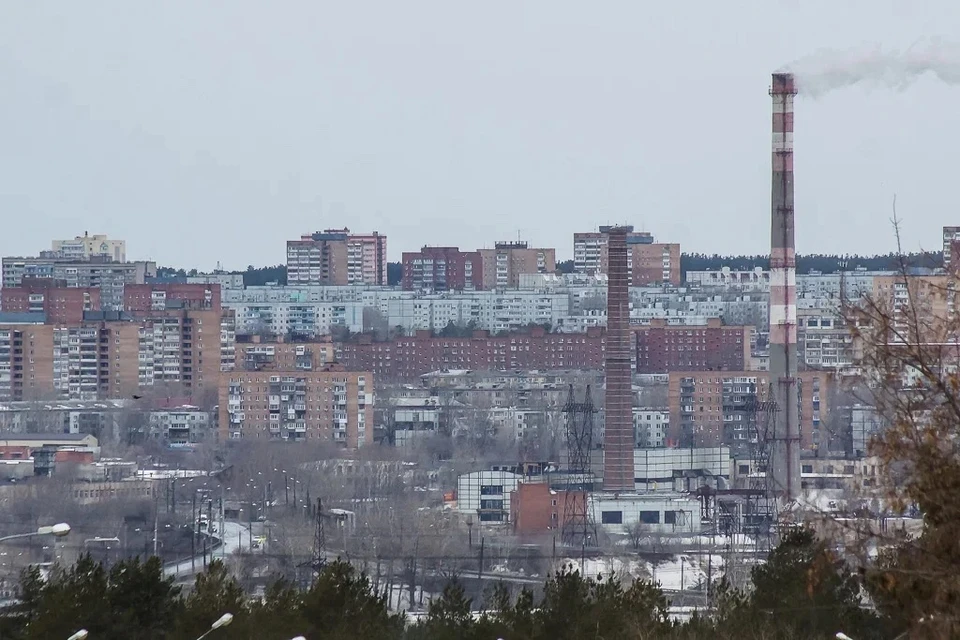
61,304
409,357
536,509
661,348
138,298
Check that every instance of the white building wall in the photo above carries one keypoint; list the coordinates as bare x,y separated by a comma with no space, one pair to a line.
486,495
656,514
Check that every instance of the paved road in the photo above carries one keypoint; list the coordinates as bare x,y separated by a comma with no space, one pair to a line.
235,537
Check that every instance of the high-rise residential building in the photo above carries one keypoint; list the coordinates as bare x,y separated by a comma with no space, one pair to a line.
951,246
648,262
710,408
111,354
436,269
654,264
507,261
86,246
266,398
367,259
99,272
337,257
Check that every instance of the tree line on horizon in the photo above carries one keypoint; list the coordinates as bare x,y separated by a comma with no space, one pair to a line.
821,262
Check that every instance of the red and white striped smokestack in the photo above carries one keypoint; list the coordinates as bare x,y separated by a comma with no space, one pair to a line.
785,450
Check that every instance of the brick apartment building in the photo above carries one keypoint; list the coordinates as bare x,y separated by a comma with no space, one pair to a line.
110,354
710,408
59,303
507,261
144,299
662,348
409,357
647,261
435,269
287,391
337,257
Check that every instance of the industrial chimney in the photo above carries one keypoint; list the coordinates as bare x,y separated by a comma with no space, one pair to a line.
618,438
784,445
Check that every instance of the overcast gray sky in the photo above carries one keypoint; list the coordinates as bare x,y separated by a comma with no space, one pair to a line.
206,131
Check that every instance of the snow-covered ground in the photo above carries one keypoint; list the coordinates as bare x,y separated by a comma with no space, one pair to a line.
679,573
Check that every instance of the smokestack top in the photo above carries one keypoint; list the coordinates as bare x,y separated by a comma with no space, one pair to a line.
783,84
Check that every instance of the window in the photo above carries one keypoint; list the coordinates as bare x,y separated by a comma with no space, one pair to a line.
669,517
650,517
743,468
807,468
491,490
611,517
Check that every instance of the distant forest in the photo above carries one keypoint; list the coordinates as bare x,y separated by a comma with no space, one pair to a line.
824,263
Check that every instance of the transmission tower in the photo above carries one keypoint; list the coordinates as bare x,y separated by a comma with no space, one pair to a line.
577,528
319,539
762,502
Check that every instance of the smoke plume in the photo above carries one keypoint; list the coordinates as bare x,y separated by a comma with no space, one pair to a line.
827,70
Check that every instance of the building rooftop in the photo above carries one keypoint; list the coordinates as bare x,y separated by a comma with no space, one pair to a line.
26,317
64,405
42,437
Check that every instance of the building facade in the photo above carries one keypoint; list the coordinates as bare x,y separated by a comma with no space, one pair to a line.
713,408
648,263
86,246
438,269
97,272
298,404
337,257
407,358
661,347
59,304
112,355
508,261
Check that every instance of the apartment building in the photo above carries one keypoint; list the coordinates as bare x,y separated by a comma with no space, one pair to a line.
97,272
823,340
58,303
409,357
111,355
144,299
590,249
299,404
86,246
179,426
504,264
438,269
337,257
649,263
931,295
367,259
951,247
711,408
254,353
661,347
654,264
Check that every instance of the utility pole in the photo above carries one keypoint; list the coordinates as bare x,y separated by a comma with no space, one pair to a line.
194,530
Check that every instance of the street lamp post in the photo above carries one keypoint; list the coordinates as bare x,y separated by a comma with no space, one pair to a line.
56,530
222,621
